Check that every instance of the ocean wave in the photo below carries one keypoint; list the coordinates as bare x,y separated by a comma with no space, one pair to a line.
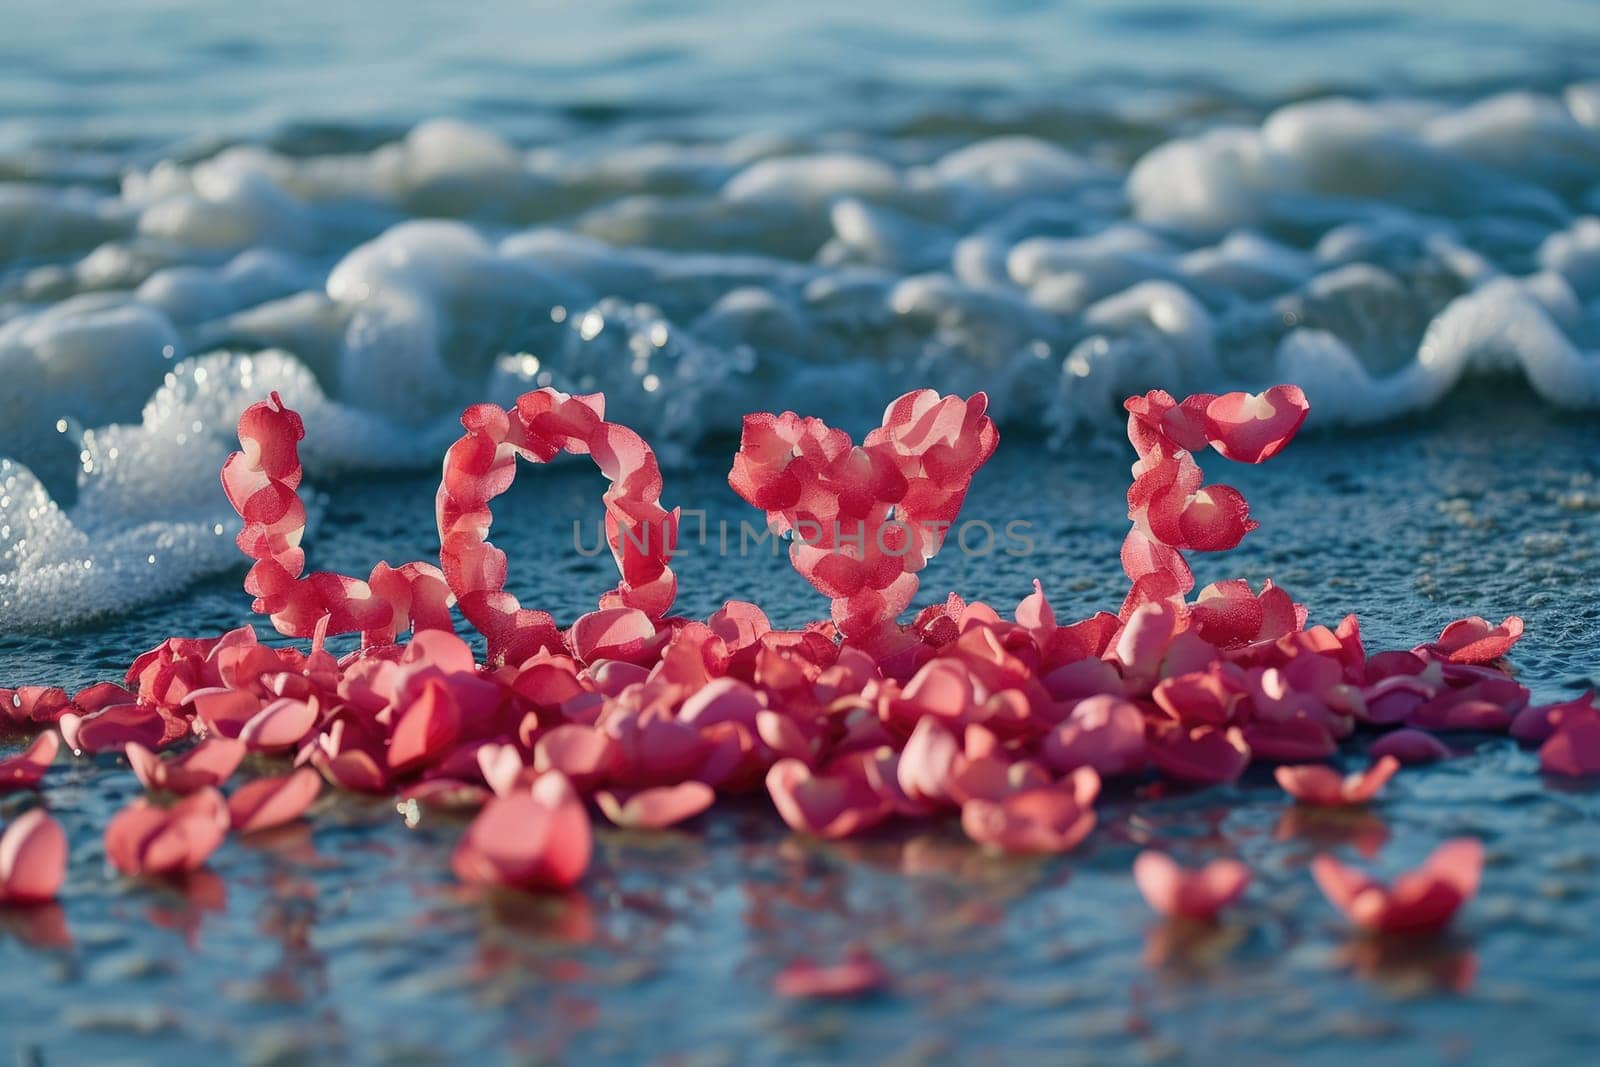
1376,253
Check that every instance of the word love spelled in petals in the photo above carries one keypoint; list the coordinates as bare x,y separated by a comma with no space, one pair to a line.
1003,720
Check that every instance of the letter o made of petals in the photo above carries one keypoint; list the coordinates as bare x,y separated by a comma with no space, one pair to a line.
482,464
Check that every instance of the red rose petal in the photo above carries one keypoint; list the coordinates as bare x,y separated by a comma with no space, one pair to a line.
26,769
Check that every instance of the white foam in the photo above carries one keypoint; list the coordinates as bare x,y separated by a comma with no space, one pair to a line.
90,359
1575,253
1017,166
228,209
813,178
1498,328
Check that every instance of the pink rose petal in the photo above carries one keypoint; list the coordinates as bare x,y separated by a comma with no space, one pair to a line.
827,805
111,728
1046,819
1410,746
33,859
270,802
1322,786
1473,640
143,839
536,840
1199,894
1574,749
1421,901
658,807
279,726
210,763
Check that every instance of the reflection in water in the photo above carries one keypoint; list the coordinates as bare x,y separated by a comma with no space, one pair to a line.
1413,966
1321,829
40,926
182,903
1191,949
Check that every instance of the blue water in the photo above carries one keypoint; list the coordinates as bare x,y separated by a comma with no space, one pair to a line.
187,70
342,941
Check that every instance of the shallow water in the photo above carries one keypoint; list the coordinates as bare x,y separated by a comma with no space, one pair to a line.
345,941
703,211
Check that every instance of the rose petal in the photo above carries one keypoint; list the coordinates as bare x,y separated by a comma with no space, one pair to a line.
1199,895
859,975
270,802
656,808
26,769
536,840
33,859
1410,746
145,839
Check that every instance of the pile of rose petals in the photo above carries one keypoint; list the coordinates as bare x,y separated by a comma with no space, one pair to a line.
1007,722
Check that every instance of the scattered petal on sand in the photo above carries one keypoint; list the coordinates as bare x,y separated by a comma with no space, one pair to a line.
1473,640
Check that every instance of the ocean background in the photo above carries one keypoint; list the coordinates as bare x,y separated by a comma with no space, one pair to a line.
706,208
